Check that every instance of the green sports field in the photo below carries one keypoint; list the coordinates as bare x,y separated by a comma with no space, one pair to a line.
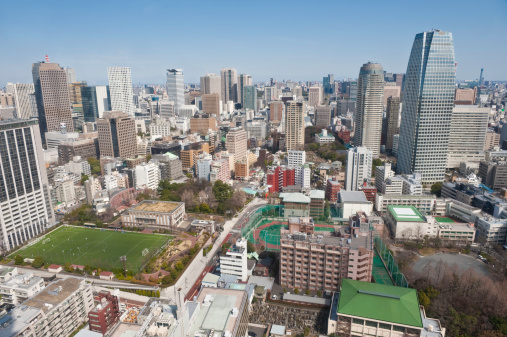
95,248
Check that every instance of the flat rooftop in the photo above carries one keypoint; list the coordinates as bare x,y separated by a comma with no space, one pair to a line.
353,196
12,323
350,242
157,206
405,213
55,293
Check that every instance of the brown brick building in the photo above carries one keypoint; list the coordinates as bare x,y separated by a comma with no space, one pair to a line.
211,104
117,135
106,314
203,124
85,148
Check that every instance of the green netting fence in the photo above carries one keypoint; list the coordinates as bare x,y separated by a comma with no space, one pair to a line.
390,264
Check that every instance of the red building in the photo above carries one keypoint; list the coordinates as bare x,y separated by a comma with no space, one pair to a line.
280,177
106,314
332,189
345,136
370,193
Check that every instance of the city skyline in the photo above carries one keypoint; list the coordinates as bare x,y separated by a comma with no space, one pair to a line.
263,52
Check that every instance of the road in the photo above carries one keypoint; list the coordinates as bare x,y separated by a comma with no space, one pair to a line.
194,272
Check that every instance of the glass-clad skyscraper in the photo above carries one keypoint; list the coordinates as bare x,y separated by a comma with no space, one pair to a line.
250,97
175,88
428,98
95,102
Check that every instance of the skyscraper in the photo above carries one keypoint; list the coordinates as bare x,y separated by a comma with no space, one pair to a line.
327,83
250,97
370,107
71,75
117,135
359,161
25,201
95,102
294,126
392,116
428,99
314,96
244,80
210,84
211,104
175,88
229,82
24,97
120,89
52,97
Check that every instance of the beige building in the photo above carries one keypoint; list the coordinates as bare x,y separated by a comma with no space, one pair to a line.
117,135
210,84
492,139
229,83
392,116
154,214
211,104
323,116
236,144
52,96
391,90
294,126
314,96
203,124
276,111
465,96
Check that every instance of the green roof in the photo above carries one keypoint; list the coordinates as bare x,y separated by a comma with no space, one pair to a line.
405,213
380,302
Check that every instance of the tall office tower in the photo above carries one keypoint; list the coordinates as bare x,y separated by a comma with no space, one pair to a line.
71,75
327,83
244,81
211,104
323,116
120,89
391,90
210,84
428,98
276,111
52,97
469,125
75,96
250,97
481,78
24,191
95,102
359,161
314,96
392,116
294,126
398,79
370,107
175,88
23,99
229,84
117,135
236,143
270,94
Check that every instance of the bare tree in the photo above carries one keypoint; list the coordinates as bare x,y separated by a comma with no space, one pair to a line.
188,198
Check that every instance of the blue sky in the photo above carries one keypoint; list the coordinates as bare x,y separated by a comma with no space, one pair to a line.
297,40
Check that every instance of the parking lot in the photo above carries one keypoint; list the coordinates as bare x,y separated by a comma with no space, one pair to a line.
461,261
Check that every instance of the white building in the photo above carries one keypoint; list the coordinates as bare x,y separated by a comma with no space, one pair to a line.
183,124
359,162
187,111
65,191
79,166
16,288
381,174
493,230
203,167
352,202
160,127
210,84
120,89
53,139
296,158
175,87
235,261
324,138
147,176
303,176
23,99
314,96
110,182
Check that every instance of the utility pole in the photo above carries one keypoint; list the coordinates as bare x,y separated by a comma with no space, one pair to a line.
123,259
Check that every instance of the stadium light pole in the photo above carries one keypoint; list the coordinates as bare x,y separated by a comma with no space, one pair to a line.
123,259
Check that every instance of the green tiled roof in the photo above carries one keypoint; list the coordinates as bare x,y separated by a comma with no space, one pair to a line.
380,302
405,213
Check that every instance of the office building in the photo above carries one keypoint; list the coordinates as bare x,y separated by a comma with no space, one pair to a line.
345,106
276,111
154,214
314,96
211,104
203,124
332,189
321,262
175,87
24,99
166,109
465,96
492,230
236,144
120,89
16,288
65,192
106,314
324,138
359,162
147,175
428,99
210,84
361,307
229,84
256,129
392,117
296,158
203,166
117,135
469,124
250,98
294,126
370,107
328,82
71,75
492,139
391,90
52,97
234,262
24,193
95,101
323,116
244,81
493,174
270,94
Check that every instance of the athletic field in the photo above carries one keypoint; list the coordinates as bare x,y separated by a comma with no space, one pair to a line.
95,247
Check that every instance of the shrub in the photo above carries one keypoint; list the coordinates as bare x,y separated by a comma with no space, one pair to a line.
18,260
38,262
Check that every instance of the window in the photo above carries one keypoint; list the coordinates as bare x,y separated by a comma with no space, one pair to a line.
384,326
371,324
398,328
357,321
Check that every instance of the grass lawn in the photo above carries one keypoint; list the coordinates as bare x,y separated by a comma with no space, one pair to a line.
95,248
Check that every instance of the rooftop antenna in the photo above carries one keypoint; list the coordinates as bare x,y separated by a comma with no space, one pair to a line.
47,58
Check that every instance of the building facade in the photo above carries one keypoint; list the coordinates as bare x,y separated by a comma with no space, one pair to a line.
229,83
154,214
175,87
358,171
117,135
393,117
294,126
120,89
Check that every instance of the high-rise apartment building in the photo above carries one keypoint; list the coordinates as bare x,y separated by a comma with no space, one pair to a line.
117,135
236,143
95,102
370,107
244,81
359,161
276,111
250,98
392,117
176,88
469,124
229,83
323,116
314,96
210,84
52,96
492,140
120,89
428,99
25,201
211,104
24,99
294,126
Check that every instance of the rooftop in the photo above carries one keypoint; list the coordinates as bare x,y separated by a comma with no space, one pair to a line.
12,323
405,213
157,206
210,278
349,242
317,194
380,302
295,197
54,293
277,329
353,196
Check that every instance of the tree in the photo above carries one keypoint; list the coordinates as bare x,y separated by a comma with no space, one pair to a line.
306,331
307,292
167,279
250,248
436,188
38,262
424,300
188,198
319,293
221,191
296,291
238,198
19,260
84,178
